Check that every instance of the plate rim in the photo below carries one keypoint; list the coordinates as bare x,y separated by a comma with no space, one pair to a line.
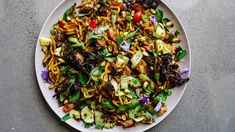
37,72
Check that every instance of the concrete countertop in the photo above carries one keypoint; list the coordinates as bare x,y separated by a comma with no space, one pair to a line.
208,104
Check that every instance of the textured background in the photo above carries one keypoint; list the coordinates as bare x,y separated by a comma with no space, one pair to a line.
208,104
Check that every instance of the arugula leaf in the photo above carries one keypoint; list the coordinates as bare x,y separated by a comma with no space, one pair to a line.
109,105
119,40
132,34
82,79
159,15
96,36
65,118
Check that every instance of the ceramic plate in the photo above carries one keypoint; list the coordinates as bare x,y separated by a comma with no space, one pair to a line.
172,100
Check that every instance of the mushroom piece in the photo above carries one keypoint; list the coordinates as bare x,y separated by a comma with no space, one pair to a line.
141,66
79,57
128,123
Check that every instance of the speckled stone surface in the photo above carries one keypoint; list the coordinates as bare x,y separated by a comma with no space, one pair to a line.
208,104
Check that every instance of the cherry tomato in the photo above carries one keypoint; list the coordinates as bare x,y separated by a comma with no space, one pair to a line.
68,107
137,16
92,24
145,47
62,23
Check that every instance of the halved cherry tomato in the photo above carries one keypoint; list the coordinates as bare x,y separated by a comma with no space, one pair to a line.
112,34
145,47
92,23
68,107
137,16
62,23
72,25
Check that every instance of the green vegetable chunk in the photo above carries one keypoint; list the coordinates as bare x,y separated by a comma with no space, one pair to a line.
65,118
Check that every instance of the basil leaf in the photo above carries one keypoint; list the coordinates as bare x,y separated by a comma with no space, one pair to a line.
159,15
65,118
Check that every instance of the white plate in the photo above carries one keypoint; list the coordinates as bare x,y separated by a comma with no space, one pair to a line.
172,101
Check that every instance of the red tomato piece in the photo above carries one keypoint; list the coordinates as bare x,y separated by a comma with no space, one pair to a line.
145,47
68,107
62,23
138,16
92,23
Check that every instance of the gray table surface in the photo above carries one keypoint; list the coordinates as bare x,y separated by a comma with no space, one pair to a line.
208,104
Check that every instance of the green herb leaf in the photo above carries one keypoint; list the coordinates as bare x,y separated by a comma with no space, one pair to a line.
132,93
65,118
177,33
119,40
75,98
114,19
132,112
181,55
152,111
134,103
80,15
122,107
65,71
96,36
157,76
105,52
68,12
88,125
132,34
109,105
165,20
159,15
82,79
